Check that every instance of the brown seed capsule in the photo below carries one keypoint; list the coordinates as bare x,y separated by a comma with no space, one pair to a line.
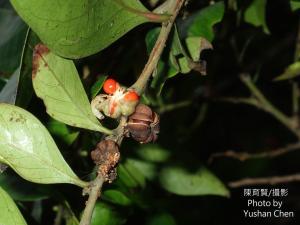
143,124
106,156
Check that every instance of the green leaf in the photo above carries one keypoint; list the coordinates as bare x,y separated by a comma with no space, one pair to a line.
195,45
153,153
78,28
201,23
97,86
180,60
9,92
27,147
2,83
256,14
28,192
179,181
130,175
161,219
164,70
148,170
135,173
18,90
116,197
295,5
13,32
151,38
290,72
25,89
126,178
61,130
57,82
72,220
178,56
105,215
9,212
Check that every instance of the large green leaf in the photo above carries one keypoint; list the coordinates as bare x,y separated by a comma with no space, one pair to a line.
57,82
9,212
78,28
18,90
27,147
179,181
13,32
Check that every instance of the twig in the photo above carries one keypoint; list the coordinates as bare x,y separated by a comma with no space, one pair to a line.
59,215
139,86
295,99
242,156
94,194
248,101
297,44
264,180
174,106
264,104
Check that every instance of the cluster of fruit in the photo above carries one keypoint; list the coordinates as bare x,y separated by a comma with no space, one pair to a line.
142,124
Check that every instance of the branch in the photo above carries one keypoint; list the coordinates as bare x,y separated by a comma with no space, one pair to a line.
242,156
266,105
261,102
248,101
158,48
264,180
94,194
139,86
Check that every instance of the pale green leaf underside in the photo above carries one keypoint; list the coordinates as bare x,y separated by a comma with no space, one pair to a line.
78,28
57,82
179,181
9,212
27,147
